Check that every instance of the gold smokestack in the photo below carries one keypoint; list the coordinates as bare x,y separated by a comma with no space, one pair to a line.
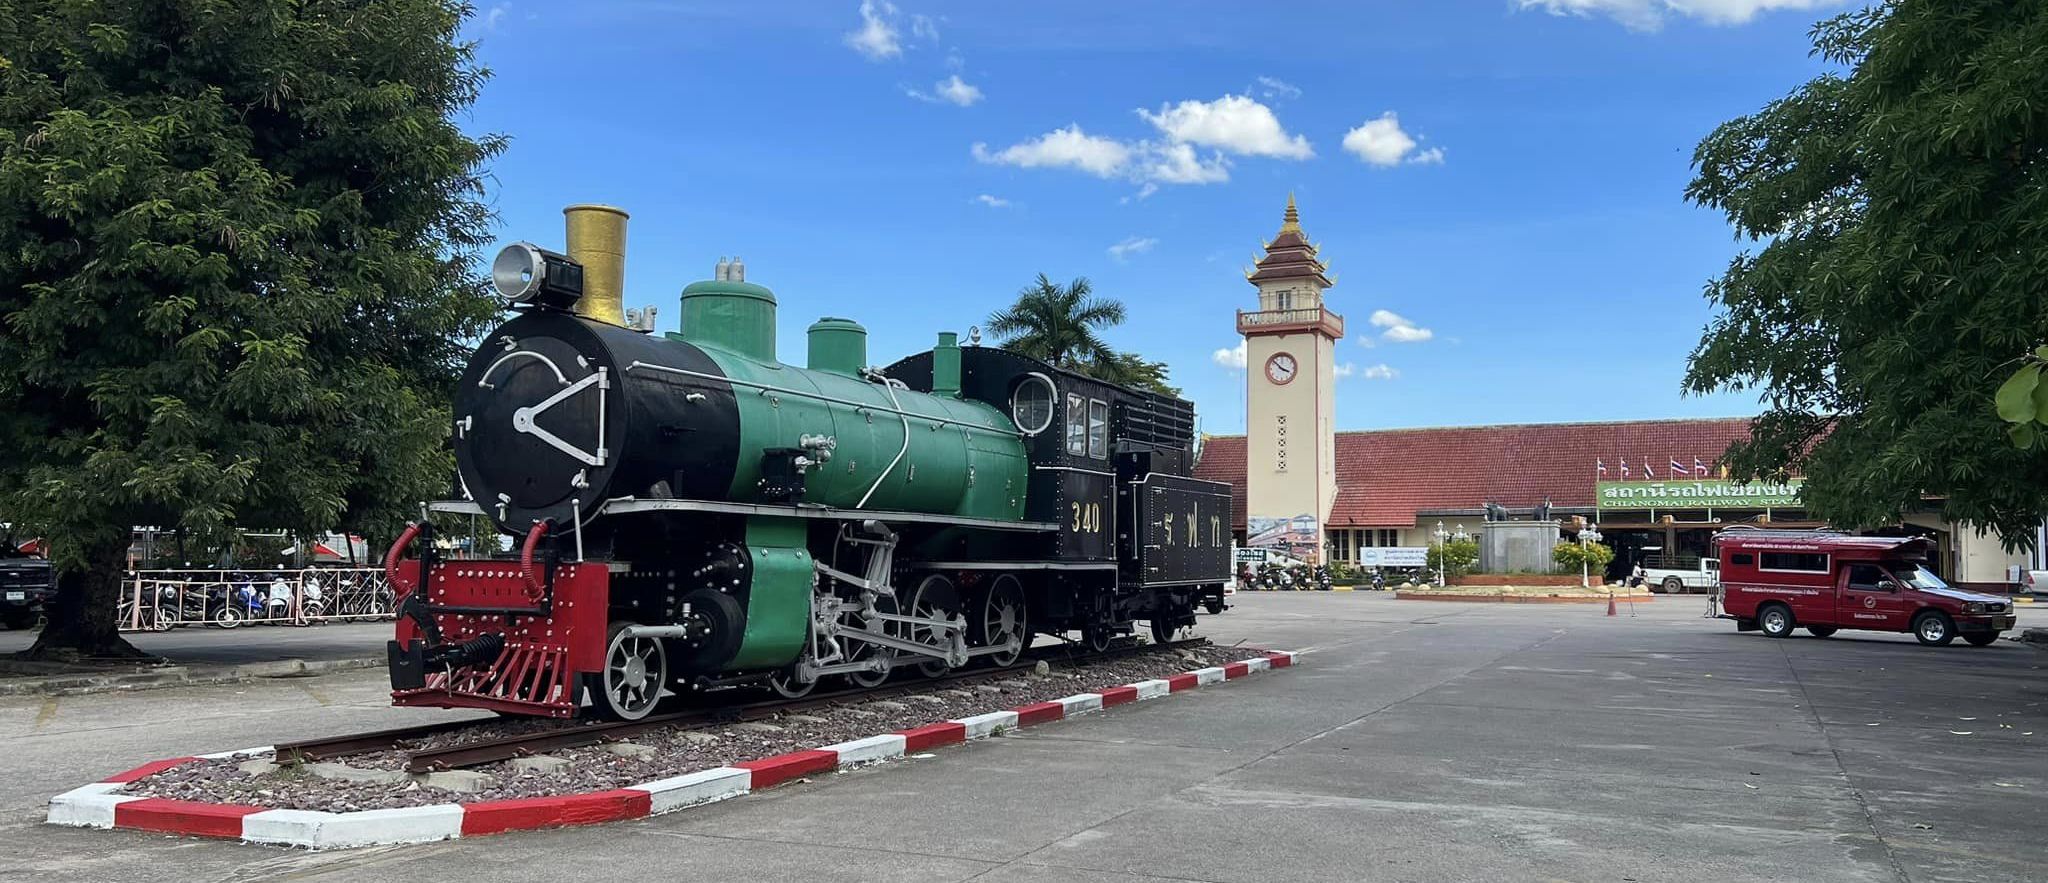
597,239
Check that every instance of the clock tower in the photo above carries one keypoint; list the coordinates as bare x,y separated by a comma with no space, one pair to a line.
1290,395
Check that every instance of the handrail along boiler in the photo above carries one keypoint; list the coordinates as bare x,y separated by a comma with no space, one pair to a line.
692,513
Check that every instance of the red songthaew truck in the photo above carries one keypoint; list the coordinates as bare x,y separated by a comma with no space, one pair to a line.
1776,581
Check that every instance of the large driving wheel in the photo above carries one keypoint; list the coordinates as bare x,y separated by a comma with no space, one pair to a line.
635,674
934,598
786,685
858,650
1001,620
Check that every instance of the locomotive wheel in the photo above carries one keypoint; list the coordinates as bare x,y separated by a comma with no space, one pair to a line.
857,650
935,598
635,673
1162,630
1096,636
1001,620
785,684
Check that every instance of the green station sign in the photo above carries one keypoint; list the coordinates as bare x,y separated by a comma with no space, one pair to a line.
1705,493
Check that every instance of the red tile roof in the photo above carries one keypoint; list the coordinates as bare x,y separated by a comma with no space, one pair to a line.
1385,476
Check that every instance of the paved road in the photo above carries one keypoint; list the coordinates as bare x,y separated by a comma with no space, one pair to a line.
1418,741
204,645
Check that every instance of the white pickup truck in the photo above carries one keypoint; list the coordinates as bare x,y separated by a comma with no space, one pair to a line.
1662,575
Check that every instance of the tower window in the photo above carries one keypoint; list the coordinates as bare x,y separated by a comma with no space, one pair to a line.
1285,299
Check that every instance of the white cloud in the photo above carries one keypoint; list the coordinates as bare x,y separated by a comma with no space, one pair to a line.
1233,358
958,91
1062,148
992,201
923,28
496,16
1650,15
1382,142
877,37
1274,87
1346,370
1131,246
1178,164
1381,371
1235,123
1398,328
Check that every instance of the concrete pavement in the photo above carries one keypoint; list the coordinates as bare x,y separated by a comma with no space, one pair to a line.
206,645
1417,741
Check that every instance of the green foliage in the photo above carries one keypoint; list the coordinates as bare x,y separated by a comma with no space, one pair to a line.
1899,203
1569,556
2022,401
237,243
1455,557
1133,370
1060,325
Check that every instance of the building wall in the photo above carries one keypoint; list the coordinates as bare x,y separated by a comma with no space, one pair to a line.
1978,556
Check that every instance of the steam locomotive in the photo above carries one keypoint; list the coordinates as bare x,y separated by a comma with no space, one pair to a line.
693,514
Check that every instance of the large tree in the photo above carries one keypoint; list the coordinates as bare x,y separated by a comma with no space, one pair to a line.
1902,206
1061,325
237,241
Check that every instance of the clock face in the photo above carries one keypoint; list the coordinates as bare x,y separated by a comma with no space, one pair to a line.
1281,368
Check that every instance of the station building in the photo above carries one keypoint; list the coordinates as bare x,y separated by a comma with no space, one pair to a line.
1654,488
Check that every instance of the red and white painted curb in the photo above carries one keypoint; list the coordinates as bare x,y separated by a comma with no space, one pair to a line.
105,804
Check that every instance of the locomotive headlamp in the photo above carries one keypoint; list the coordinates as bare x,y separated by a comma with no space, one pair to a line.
525,273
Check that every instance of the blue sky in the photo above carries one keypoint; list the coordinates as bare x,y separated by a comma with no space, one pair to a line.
1522,205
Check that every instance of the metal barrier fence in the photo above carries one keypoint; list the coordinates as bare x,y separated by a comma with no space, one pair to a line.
161,600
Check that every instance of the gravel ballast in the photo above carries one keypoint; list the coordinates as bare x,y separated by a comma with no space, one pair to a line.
672,751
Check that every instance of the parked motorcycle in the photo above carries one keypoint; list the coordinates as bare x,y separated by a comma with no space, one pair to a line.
240,603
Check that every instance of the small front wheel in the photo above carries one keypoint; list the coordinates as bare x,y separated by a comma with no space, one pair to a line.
1934,628
1980,639
635,676
1775,621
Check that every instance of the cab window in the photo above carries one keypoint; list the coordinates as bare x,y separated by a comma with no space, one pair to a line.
1077,425
1098,430
1865,577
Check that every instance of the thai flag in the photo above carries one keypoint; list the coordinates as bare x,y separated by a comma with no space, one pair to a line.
1624,469
1600,467
1646,469
1698,468
1677,468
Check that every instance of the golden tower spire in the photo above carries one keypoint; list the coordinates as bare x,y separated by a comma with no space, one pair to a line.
1291,223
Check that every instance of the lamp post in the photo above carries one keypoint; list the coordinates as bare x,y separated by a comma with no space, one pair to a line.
1589,535
1440,552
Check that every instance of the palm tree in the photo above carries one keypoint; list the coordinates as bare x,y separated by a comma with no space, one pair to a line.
1057,324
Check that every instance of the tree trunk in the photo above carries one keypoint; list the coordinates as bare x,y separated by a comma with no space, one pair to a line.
81,618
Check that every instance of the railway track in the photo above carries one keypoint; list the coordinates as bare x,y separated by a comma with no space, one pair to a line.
490,750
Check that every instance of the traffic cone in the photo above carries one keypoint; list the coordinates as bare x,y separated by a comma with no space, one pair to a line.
1610,603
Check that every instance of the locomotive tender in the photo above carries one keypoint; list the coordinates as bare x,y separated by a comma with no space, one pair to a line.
693,514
